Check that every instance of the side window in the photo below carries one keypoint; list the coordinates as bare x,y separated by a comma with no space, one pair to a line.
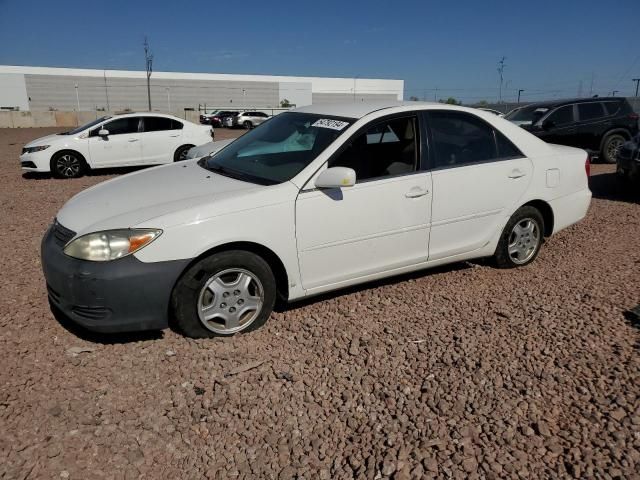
122,126
157,124
386,149
460,139
176,125
590,111
562,116
506,149
611,107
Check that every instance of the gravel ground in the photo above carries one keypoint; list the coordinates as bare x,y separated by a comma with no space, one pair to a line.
465,371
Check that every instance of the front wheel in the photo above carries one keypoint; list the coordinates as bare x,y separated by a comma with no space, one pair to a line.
67,165
224,294
611,147
521,239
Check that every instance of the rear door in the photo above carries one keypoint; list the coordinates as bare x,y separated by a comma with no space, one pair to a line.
161,137
123,145
478,178
593,123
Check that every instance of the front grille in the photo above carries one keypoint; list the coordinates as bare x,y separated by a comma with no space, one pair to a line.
91,313
61,234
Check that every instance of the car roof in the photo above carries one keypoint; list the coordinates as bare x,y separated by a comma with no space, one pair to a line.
146,114
565,101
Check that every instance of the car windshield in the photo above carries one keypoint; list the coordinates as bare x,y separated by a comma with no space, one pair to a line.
86,126
526,114
277,150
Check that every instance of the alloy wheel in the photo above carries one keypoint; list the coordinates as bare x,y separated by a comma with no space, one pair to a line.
230,301
68,165
524,240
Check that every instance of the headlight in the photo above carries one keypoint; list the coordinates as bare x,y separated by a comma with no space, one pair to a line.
35,149
110,244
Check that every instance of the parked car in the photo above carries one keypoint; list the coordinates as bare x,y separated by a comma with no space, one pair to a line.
114,141
217,119
208,148
315,199
600,125
205,118
248,119
628,161
227,120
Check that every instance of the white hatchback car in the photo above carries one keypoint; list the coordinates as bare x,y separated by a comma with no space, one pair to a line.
115,141
313,200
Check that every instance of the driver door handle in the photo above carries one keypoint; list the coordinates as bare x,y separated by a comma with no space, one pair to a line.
416,192
517,173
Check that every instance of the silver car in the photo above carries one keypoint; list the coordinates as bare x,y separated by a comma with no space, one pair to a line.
248,119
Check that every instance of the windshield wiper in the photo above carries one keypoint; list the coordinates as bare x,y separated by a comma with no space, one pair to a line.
244,177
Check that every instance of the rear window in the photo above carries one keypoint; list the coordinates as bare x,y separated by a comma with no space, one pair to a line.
590,111
611,107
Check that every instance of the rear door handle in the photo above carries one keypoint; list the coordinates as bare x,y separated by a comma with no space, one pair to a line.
174,135
133,139
516,174
416,192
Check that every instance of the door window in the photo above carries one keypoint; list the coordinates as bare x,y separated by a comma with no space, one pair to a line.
611,107
562,116
461,139
157,124
122,126
590,111
386,149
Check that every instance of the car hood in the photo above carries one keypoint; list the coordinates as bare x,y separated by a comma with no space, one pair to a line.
48,140
132,199
208,148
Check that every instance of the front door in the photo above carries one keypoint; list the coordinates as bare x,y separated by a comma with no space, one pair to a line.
478,177
378,225
123,145
560,127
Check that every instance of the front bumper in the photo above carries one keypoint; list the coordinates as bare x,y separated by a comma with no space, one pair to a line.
36,162
117,296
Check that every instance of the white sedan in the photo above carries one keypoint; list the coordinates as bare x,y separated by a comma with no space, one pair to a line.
316,199
114,141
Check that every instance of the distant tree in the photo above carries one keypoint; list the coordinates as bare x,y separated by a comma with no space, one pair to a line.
482,103
284,103
413,98
450,101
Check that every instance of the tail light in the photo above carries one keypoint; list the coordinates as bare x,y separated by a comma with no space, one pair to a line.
587,165
634,116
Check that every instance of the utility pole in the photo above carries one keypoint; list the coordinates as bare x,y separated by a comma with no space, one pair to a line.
148,57
106,92
580,89
519,92
591,87
637,80
613,94
78,104
501,66
168,99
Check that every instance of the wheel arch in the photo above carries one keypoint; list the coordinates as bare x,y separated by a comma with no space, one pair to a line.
268,255
69,150
175,152
619,130
547,214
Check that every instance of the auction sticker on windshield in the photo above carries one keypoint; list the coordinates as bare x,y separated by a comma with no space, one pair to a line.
328,123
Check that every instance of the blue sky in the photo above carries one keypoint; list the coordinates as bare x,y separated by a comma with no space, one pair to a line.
440,49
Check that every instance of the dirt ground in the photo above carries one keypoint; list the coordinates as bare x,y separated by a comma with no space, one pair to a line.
465,371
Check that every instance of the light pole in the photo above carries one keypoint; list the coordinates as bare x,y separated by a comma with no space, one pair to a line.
148,59
77,104
501,66
168,99
519,92
637,80
354,88
244,102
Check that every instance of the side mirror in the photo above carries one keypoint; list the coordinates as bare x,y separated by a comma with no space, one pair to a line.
103,132
336,177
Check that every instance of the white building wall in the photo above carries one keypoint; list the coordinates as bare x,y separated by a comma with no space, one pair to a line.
13,91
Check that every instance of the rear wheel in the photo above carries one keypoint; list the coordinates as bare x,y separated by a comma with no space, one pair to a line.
611,146
224,294
248,125
67,165
521,238
181,153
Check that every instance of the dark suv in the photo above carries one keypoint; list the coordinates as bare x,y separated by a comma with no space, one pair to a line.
600,125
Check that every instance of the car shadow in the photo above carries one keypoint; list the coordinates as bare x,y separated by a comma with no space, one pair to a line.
282,306
102,172
102,338
608,186
632,316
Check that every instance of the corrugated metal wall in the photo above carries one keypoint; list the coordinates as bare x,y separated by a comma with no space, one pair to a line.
58,91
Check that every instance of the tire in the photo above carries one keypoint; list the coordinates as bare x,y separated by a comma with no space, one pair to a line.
610,147
247,125
519,249
200,299
68,164
181,153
